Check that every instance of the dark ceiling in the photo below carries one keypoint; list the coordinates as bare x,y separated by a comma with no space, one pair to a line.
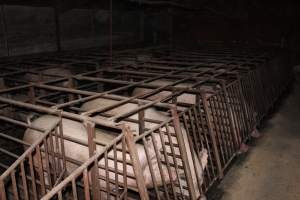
227,8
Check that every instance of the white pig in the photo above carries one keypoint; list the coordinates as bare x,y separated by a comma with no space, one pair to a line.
151,113
191,98
78,152
183,98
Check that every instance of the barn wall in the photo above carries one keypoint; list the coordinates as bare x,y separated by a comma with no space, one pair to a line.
32,29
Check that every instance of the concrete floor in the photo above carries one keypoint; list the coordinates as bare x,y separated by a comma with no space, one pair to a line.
271,170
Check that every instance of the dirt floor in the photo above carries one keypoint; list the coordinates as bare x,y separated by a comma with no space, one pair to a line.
271,169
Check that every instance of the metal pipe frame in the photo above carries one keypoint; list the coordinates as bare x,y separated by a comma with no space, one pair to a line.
220,121
39,108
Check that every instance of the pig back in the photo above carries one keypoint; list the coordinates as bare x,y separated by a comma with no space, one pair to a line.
75,151
149,113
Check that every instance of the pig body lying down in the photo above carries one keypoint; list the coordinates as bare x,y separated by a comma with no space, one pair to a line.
149,113
75,151
79,152
190,98
183,98
200,161
55,71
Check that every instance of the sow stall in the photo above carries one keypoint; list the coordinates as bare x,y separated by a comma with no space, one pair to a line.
270,75
208,120
224,111
244,109
170,165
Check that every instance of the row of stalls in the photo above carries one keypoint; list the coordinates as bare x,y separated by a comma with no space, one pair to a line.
146,123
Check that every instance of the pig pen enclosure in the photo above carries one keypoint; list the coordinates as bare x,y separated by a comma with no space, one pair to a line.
150,123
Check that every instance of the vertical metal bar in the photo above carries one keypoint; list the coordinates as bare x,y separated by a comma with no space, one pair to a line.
57,26
230,104
60,197
250,87
160,167
111,31
62,144
124,155
107,175
115,151
191,122
14,185
40,169
247,105
47,160
224,120
181,144
203,122
142,26
52,155
92,147
33,184
93,27
2,190
161,135
212,135
218,130
151,169
86,185
57,150
236,103
170,29
240,111
74,190
174,157
221,120
136,164
71,86
174,97
100,74
195,146
4,27
24,182
31,94
141,117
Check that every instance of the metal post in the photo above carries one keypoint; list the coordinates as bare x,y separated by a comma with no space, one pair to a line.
31,95
93,34
230,111
212,135
2,190
71,86
142,26
136,164
92,148
4,27
57,27
141,117
170,29
182,149
110,31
